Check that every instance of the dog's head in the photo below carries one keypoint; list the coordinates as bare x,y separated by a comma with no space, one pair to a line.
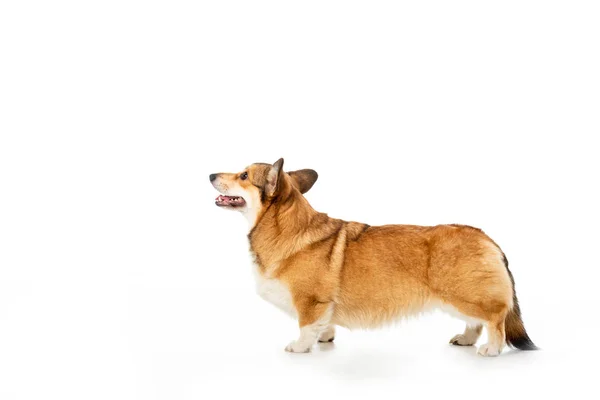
253,189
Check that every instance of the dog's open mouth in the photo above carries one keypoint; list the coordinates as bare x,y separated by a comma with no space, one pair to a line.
230,201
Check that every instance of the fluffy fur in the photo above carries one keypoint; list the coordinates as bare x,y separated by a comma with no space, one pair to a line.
326,272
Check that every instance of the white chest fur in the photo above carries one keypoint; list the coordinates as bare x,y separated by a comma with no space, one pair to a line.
275,292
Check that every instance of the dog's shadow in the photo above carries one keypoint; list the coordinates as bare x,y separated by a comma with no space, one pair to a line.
359,364
374,364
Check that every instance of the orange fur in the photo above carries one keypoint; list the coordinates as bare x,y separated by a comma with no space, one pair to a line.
355,275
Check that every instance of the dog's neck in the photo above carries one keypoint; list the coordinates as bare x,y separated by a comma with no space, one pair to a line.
286,226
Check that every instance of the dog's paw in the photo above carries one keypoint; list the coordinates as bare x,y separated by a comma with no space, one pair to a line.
462,340
328,335
487,350
295,347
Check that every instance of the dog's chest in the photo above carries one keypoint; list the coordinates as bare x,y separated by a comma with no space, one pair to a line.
275,292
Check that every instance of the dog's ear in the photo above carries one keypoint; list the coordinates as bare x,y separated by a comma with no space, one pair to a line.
274,178
304,179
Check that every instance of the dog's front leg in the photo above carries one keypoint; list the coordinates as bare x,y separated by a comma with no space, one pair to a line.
328,335
313,318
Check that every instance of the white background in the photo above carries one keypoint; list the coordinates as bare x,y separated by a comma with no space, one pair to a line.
120,279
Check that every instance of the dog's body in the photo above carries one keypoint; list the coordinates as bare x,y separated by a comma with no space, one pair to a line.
328,272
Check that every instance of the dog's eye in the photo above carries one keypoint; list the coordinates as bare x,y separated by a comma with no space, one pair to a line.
244,176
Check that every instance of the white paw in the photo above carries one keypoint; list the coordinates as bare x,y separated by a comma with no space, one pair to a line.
296,347
327,336
487,350
462,340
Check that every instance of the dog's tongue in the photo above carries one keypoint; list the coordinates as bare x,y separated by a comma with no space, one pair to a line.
231,201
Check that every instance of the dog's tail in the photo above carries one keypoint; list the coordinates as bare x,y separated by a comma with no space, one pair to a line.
516,336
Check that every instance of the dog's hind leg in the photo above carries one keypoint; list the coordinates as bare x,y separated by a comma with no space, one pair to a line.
469,337
328,334
314,319
496,337
491,314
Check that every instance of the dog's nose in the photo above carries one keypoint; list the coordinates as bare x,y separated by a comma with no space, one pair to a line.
213,177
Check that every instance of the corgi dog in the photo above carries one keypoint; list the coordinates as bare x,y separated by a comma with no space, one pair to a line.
327,272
